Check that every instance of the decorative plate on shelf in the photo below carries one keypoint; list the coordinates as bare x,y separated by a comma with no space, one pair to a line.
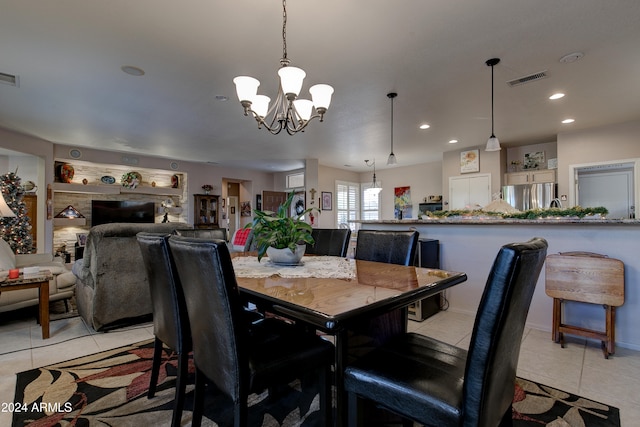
131,180
108,179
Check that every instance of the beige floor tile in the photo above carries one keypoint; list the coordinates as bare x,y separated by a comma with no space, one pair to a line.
17,361
120,337
55,353
19,339
59,331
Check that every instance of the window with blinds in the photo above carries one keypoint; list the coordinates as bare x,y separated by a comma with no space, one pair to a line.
347,203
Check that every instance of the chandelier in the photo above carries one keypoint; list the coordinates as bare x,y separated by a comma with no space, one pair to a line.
288,112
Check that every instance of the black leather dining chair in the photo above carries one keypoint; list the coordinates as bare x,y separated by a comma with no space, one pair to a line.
236,358
170,322
439,384
393,247
329,241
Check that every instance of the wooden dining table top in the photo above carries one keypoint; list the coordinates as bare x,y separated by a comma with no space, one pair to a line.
330,302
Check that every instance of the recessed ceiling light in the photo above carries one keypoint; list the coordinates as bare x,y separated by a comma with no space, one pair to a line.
132,71
222,98
572,57
557,96
424,126
567,121
453,141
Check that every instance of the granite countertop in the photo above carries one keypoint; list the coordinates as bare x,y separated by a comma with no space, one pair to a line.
488,220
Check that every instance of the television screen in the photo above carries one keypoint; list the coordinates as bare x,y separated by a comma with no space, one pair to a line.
108,211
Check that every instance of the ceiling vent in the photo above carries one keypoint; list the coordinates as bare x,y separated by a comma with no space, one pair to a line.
10,79
528,79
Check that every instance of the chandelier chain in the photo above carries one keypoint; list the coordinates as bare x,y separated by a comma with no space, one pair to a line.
284,30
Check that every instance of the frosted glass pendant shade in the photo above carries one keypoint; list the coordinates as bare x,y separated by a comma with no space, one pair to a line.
291,79
493,144
303,107
246,87
321,95
260,104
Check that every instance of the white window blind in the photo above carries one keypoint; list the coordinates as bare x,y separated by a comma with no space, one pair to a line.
347,203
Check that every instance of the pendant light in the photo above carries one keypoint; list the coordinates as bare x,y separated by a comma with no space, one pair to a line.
375,187
392,157
492,144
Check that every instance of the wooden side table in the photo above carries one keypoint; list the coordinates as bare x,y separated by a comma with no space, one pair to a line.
39,280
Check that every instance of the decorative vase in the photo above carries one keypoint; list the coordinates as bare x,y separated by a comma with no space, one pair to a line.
285,256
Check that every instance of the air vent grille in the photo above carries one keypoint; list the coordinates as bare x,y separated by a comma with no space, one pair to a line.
528,79
9,79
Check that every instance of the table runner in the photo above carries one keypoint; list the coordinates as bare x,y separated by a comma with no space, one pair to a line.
325,267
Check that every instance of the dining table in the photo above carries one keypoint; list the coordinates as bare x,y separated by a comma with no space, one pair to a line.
344,298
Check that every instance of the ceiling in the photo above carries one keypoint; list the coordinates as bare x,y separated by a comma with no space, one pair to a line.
68,56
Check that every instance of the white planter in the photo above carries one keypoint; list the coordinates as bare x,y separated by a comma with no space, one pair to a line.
285,256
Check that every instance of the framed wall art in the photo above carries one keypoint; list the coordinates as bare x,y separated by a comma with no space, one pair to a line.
327,200
533,160
470,161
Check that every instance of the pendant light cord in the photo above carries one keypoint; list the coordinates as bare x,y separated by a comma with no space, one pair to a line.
284,33
492,133
392,125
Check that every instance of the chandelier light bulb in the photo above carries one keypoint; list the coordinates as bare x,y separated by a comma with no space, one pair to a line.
261,105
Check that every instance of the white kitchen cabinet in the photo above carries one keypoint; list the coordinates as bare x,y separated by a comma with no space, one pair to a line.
530,177
471,192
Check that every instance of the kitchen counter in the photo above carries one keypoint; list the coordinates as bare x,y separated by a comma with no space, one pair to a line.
488,220
471,244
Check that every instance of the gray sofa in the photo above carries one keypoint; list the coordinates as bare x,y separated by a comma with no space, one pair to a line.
112,287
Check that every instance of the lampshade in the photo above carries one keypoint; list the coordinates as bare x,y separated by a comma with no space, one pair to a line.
374,190
321,95
291,79
492,144
5,210
261,104
303,107
246,87
392,159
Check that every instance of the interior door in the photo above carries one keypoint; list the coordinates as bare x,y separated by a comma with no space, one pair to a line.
234,214
271,200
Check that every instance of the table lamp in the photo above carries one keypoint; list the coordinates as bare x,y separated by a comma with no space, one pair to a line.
5,210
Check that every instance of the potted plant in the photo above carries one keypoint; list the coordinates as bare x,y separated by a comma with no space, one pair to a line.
280,236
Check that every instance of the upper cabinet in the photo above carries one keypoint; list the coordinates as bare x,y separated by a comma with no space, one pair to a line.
205,211
530,177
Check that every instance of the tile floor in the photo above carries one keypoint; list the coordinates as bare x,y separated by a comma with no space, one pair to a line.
579,368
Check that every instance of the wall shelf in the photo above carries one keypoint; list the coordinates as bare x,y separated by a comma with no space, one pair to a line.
114,189
69,222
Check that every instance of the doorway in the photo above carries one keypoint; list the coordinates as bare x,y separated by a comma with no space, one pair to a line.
611,185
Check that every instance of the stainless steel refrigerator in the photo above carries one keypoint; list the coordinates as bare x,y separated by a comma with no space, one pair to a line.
530,196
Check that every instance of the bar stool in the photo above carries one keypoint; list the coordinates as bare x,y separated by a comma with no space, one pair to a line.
590,278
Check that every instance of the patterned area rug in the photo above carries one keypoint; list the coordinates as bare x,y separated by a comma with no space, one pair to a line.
109,389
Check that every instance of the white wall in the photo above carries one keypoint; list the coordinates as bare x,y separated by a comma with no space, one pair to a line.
613,142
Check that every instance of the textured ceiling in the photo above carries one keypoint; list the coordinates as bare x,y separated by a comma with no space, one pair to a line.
68,55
